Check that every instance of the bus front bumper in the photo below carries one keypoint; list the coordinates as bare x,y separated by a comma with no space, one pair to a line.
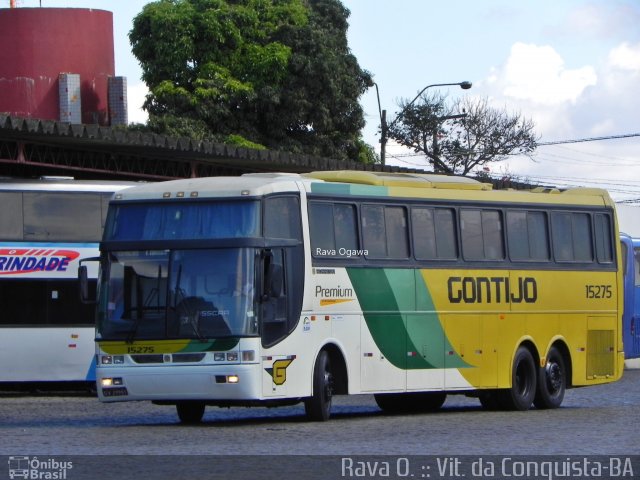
213,383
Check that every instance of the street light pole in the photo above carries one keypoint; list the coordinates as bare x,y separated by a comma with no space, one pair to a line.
384,127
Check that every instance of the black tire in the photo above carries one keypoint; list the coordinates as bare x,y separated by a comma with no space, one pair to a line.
523,383
552,381
190,412
318,406
410,402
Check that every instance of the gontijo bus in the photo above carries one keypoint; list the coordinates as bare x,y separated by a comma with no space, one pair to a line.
47,226
271,289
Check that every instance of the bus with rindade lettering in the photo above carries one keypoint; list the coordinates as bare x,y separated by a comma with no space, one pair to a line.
272,289
47,226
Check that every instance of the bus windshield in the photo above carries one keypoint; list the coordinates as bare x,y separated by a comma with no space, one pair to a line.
184,220
158,294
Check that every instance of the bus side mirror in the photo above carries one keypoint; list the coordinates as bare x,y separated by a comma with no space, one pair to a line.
83,281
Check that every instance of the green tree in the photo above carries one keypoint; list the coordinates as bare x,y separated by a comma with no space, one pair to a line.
278,73
460,136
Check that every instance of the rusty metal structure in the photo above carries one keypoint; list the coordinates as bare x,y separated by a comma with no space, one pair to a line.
31,148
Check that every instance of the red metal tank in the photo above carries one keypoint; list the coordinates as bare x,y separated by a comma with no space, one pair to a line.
40,43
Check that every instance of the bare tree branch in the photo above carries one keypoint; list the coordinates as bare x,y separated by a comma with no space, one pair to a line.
459,145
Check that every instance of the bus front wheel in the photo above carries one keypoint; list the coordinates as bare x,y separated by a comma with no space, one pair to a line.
318,406
552,381
190,412
523,382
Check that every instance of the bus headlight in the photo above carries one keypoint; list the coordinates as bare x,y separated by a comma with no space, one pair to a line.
227,379
110,382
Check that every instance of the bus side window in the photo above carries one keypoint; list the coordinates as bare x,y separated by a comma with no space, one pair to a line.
282,218
572,241
332,227
11,221
385,231
62,216
528,235
373,231
603,238
481,234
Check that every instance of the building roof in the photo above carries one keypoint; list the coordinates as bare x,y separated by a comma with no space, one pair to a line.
33,147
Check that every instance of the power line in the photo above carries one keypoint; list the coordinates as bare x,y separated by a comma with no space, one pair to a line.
592,139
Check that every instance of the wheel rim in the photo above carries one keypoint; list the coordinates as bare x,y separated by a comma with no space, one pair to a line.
553,373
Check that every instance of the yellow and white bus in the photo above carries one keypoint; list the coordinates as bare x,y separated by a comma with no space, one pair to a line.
272,289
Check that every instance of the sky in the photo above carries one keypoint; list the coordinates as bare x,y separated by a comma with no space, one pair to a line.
572,67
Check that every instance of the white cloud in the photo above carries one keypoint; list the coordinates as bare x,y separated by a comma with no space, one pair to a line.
136,94
625,57
538,73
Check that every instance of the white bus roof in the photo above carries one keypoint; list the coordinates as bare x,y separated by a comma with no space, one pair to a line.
63,184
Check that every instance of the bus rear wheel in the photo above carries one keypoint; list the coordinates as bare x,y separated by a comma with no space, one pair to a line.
190,412
523,383
318,406
552,381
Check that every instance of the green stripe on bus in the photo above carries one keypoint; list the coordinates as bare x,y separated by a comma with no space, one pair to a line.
407,340
346,189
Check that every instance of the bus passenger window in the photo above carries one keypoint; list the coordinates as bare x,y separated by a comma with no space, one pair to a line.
396,232
572,237
562,237
11,218
384,231
424,234
52,216
321,228
373,231
528,235
445,228
481,235
333,229
603,238
582,243
346,230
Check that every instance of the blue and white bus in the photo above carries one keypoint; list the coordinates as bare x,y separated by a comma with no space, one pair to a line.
631,314
47,226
